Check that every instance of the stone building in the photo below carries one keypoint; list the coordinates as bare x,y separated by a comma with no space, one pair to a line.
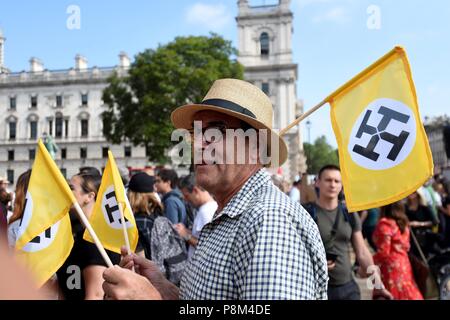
66,104
265,51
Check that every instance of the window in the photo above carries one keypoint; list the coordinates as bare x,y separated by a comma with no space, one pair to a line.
58,127
12,130
10,155
105,152
12,103
59,100
84,127
63,153
66,128
127,151
10,174
265,88
264,41
50,127
64,172
83,153
33,129
31,154
34,102
84,99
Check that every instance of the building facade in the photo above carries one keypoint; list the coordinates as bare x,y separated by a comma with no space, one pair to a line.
435,133
66,104
265,51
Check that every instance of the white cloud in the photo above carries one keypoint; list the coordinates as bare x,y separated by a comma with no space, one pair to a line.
337,15
215,17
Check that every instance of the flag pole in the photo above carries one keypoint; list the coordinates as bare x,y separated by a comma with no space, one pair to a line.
302,117
91,231
124,228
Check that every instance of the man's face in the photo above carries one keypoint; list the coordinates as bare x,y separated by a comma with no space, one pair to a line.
215,177
162,186
330,184
191,197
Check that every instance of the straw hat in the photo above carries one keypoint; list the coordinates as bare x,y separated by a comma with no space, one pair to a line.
238,99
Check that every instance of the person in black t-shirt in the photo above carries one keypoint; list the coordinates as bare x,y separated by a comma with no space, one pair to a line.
80,277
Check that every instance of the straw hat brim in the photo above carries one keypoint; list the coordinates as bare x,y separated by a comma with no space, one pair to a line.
182,118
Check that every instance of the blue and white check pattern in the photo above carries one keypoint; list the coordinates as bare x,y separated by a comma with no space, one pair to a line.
261,246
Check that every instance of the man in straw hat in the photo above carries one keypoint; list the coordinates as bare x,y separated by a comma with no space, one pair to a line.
260,244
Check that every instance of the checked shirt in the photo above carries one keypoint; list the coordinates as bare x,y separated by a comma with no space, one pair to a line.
260,246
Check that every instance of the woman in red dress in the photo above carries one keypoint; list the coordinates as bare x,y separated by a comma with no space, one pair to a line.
391,237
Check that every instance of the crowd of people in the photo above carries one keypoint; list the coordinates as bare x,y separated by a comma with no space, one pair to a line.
229,231
418,225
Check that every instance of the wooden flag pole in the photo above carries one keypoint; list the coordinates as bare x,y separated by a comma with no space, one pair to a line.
125,233
93,235
124,228
302,117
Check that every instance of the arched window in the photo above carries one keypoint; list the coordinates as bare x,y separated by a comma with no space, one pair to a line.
264,42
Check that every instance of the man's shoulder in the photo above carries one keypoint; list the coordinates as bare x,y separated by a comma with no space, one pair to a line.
272,202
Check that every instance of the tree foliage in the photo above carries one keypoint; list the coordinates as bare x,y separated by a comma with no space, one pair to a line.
320,154
180,72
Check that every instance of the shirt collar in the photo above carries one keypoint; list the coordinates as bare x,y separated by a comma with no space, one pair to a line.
241,199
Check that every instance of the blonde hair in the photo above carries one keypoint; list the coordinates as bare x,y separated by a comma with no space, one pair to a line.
144,202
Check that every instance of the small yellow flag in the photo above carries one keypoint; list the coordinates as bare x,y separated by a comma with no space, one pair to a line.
383,149
47,252
106,219
48,198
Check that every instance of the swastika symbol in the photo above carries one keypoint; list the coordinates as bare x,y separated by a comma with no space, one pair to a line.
110,210
47,234
383,135
379,133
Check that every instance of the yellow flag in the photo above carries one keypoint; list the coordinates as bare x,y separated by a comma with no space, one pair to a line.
47,252
105,218
48,198
383,149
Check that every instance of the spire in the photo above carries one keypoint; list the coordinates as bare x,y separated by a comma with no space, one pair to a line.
2,42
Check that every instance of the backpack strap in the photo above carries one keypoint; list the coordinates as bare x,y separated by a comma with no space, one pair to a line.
311,208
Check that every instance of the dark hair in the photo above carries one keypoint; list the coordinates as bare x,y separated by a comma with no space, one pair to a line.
89,170
21,193
90,182
395,211
328,167
187,182
169,175
5,196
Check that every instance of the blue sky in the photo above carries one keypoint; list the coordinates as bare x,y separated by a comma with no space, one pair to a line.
332,41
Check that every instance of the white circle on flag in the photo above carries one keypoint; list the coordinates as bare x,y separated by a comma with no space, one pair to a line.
110,209
383,135
43,240
26,217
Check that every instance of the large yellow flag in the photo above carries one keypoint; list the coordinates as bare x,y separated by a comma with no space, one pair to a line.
49,198
47,252
383,149
106,219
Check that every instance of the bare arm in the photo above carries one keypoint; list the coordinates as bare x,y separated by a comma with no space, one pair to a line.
93,281
363,255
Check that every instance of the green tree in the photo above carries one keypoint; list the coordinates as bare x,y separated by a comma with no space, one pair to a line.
320,154
180,72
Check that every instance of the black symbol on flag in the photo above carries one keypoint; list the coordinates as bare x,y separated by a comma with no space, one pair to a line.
115,208
379,132
48,235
